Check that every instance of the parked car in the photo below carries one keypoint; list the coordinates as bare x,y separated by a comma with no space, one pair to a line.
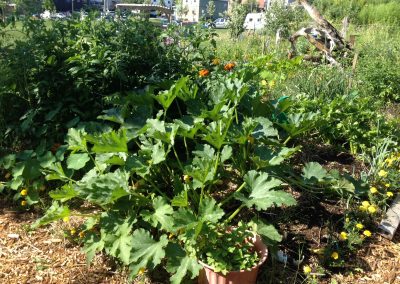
220,23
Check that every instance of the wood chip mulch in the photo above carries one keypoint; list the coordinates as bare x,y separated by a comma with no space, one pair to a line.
46,255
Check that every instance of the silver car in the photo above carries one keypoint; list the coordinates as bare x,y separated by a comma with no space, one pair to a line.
220,23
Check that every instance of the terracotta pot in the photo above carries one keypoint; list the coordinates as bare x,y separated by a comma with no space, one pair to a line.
208,276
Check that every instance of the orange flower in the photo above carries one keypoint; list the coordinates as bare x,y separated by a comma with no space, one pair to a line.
203,72
229,66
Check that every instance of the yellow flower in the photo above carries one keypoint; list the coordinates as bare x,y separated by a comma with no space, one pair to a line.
387,184
347,220
389,161
364,206
306,269
389,194
216,61
24,203
72,232
373,190
81,234
66,219
359,226
271,84
264,83
204,72
24,192
141,271
382,173
170,236
343,236
335,255
367,233
186,178
371,209
365,203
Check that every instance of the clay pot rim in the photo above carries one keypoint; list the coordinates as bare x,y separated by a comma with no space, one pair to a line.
263,252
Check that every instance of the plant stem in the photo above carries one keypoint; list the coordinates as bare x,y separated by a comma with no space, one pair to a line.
158,189
234,213
231,196
287,140
177,158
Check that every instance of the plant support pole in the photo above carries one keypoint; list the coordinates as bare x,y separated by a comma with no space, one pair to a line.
388,226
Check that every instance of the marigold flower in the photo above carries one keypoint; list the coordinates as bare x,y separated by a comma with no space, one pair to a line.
359,226
371,209
387,184
343,236
373,190
389,194
24,203
229,66
24,192
72,232
204,73
306,269
81,234
367,233
382,173
66,219
216,61
335,255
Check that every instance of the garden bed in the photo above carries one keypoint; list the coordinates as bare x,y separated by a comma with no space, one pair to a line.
46,255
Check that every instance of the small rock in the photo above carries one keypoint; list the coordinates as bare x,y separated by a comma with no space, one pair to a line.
13,236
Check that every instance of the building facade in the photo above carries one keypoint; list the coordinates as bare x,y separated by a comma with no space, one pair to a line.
68,5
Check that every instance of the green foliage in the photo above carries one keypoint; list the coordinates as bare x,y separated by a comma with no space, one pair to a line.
386,13
282,18
62,73
236,20
154,167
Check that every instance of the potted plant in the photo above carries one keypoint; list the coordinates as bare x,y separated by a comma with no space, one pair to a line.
232,256
170,171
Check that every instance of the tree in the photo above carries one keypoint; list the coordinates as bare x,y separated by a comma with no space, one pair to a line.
48,5
27,7
181,8
281,19
211,9
237,17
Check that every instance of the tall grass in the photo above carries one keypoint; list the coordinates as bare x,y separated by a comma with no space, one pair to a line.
388,13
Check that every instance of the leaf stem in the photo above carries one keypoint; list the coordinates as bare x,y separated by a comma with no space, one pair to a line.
234,213
231,196
177,158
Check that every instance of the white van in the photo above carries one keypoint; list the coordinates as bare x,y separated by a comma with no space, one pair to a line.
254,21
